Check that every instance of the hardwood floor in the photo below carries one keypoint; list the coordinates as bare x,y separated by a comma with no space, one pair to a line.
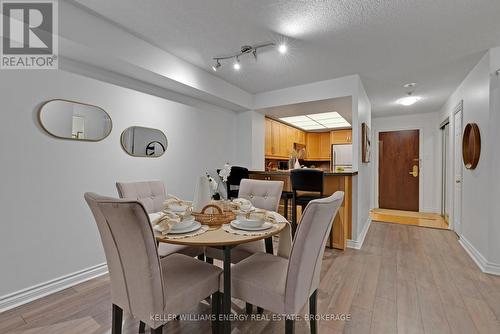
423,219
405,279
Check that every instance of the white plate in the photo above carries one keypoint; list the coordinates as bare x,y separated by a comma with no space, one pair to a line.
191,228
238,225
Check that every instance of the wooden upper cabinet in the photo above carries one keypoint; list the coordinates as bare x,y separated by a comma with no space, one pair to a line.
312,145
280,139
324,146
268,138
341,137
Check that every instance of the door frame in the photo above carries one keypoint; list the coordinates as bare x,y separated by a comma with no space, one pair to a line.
459,107
420,164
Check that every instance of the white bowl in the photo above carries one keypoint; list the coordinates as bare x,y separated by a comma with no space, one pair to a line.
251,222
185,223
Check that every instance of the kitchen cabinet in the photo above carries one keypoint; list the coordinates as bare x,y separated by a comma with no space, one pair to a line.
280,139
318,146
341,137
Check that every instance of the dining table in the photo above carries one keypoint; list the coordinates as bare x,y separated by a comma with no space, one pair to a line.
218,236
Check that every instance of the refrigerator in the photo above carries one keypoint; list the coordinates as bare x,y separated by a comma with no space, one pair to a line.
341,157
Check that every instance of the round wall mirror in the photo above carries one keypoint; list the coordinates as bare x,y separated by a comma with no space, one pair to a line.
74,120
144,142
471,146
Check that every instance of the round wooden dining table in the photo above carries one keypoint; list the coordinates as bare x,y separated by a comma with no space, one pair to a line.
218,237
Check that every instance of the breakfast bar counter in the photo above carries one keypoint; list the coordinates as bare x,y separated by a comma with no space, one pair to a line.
333,181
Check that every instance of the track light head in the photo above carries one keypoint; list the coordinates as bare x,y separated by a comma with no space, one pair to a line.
216,66
237,65
282,48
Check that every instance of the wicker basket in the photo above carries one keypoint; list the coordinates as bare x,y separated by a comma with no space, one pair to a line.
214,219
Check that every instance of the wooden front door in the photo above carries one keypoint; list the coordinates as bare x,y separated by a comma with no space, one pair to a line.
399,170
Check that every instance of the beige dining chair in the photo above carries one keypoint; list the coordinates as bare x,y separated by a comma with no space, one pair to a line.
263,195
283,285
152,194
147,287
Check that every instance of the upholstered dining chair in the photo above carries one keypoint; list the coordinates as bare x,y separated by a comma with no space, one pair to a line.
283,285
147,287
152,194
263,195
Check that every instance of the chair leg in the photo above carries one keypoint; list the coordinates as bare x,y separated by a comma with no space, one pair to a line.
209,260
285,208
289,326
313,302
294,217
158,330
248,308
216,306
142,327
117,317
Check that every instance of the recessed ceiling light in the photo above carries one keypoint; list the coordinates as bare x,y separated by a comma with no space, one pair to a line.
329,120
282,48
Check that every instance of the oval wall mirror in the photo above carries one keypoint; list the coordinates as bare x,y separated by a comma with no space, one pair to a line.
74,120
471,146
144,142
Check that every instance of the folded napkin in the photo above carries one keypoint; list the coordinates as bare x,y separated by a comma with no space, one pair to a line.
242,204
164,220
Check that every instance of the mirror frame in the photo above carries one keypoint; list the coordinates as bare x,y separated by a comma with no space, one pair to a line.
145,155
73,139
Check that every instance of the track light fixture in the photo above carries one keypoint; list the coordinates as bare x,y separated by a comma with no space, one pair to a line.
216,66
246,49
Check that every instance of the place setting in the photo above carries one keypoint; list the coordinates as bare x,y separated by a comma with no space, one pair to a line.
249,219
176,220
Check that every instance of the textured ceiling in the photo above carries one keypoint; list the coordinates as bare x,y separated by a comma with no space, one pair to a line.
388,42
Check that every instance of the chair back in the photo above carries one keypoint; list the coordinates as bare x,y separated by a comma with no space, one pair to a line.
151,194
306,256
233,181
305,179
131,254
263,194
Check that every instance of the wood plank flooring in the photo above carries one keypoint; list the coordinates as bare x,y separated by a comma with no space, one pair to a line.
424,219
405,279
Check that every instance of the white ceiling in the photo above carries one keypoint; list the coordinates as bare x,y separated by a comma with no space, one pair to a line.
388,42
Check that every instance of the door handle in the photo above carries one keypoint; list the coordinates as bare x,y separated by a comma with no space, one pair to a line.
414,171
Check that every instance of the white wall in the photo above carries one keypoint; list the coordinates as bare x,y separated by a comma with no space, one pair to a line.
474,91
364,179
430,143
46,229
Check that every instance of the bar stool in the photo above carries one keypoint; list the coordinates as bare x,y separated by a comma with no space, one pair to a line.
234,180
307,185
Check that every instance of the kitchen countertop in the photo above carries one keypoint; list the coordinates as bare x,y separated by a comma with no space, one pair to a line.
287,172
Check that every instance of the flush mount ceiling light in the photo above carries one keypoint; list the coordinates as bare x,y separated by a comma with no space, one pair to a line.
247,49
410,99
322,121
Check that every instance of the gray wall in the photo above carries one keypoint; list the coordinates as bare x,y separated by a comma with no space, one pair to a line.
46,229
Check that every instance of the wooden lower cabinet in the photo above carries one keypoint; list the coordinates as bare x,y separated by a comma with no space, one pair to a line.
342,224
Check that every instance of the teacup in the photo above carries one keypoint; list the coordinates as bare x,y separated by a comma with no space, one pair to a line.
178,207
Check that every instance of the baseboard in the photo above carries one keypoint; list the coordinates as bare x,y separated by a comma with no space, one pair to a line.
41,290
357,244
479,259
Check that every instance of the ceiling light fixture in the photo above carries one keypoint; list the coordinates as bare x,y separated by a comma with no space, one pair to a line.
247,49
410,99
237,64
216,66
322,121
282,48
